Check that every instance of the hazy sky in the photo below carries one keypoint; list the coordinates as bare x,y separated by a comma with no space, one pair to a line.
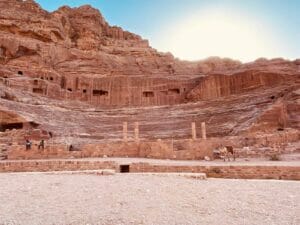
196,29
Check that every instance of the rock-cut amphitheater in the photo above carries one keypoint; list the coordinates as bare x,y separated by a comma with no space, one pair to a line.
104,102
92,90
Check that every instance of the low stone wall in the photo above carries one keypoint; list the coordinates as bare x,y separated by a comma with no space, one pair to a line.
183,149
179,149
54,165
213,171
232,172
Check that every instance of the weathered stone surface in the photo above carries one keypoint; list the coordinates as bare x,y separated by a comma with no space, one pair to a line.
108,172
74,79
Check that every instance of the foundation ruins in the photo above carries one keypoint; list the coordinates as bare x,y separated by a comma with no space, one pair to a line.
70,79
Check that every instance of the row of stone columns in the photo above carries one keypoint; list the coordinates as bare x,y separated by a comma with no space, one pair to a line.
137,132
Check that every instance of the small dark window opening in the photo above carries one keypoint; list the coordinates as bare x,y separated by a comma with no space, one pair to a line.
272,97
51,78
100,93
42,78
148,94
70,89
47,78
38,90
20,73
10,126
280,129
124,168
34,124
35,82
174,91
84,90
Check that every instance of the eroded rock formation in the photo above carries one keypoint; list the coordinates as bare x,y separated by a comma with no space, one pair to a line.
75,79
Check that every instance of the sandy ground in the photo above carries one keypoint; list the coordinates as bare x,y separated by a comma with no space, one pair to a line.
37,198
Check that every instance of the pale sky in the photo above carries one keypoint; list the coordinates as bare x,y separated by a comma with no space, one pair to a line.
197,29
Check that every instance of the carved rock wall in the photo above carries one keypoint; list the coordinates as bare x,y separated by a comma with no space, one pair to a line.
216,86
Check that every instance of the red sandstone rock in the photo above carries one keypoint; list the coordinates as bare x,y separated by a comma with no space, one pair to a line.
72,74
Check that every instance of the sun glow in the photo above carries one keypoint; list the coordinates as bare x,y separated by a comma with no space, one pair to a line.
219,34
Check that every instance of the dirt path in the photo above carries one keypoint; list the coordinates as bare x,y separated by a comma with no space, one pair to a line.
36,198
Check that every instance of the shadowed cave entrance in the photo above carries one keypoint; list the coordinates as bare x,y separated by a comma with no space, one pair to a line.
100,93
10,126
148,94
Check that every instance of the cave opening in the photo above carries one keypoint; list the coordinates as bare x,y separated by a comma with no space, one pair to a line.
100,93
38,90
10,126
20,73
148,94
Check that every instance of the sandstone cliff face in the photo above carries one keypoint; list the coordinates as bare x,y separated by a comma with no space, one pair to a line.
72,74
76,41
216,86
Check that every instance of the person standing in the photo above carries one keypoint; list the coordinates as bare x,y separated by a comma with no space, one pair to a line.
42,144
28,144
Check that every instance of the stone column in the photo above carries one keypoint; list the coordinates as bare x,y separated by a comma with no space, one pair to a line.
125,131
203,130
136,131
194,134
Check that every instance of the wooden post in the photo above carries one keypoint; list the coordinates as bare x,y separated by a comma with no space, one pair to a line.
203,130
194,134
136,131
125,131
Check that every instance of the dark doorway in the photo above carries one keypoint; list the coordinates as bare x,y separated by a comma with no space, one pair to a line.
124,168
148,94
20,73
11,126
100,93
38,90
